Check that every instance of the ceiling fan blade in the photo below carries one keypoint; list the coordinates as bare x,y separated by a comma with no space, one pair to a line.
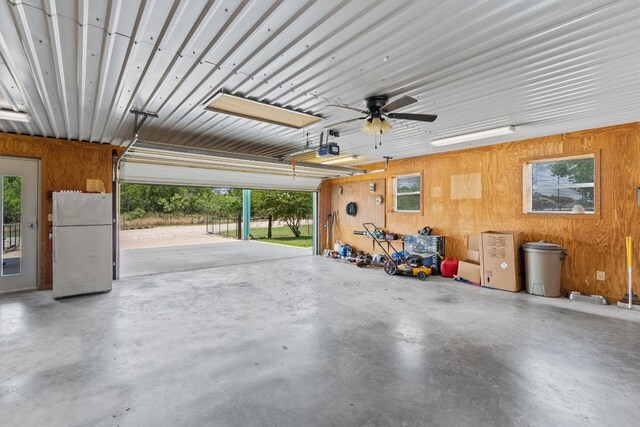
344,122
399,103
416,117
349,108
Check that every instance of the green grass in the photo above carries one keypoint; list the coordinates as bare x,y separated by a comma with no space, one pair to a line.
280,235
301,242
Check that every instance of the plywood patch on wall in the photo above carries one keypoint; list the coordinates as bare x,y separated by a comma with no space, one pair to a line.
466,186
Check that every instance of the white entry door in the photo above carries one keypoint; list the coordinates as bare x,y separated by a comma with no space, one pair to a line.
19,219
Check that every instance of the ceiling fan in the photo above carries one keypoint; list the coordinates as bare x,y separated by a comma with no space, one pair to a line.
379,109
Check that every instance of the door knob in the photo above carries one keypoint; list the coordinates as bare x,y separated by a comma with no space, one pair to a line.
31,225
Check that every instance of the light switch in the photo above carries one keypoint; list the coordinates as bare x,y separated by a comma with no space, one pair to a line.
600,276
50,217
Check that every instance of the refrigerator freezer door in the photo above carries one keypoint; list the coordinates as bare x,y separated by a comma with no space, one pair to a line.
81,209
81,260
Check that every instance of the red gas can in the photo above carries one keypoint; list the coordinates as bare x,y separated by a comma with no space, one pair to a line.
449,267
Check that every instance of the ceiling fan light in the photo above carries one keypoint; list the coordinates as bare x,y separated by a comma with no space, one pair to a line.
385,126
367,127
376,124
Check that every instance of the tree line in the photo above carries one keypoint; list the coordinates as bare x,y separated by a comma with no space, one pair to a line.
138,201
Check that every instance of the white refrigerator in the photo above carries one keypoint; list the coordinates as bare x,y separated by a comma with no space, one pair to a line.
82,257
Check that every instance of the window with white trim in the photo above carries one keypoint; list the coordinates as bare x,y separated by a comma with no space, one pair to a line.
565,185
406,191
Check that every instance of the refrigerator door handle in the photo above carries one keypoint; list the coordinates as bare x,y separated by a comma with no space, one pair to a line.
54,244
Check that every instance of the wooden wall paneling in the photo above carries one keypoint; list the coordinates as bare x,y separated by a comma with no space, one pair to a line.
593,242
358,192
64,165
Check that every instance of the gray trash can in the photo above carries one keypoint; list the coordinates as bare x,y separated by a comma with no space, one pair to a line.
543,267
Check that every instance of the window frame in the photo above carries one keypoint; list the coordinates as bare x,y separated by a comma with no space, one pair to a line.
395,193
527,187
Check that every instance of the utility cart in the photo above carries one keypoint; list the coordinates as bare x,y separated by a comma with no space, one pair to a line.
397,261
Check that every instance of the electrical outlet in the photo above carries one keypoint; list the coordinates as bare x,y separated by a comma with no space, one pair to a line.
600,276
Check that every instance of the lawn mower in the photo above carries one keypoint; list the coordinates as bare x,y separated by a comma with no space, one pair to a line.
398,262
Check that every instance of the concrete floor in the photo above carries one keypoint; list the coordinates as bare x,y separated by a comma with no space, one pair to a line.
311,341
136,262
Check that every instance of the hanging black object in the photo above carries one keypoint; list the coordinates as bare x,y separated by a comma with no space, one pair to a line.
352,209
426,231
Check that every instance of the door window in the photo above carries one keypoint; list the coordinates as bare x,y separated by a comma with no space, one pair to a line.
11,224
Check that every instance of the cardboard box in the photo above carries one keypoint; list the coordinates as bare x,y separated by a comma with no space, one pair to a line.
473,248
95,186
469,269
500,260
419,244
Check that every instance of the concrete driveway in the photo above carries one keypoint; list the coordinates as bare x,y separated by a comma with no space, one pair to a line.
141,261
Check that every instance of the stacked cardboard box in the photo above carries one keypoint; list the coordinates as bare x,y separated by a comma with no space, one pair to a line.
469,269
500,260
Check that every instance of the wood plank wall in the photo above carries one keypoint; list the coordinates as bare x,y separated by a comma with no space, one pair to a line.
466,192
64,165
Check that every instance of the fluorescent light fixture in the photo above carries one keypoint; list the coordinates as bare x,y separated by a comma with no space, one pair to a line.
254,110
340,160
16,116
506,130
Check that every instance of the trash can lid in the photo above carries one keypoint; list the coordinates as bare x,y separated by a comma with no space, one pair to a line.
542,245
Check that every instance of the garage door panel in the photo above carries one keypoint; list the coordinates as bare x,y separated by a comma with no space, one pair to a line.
141,173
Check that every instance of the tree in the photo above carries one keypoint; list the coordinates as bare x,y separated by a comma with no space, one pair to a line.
176,204
159,199
288,206
11,199
208,202
542,202
577,171
232,201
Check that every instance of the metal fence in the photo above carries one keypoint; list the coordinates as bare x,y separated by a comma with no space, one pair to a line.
225,225
228,226
11,236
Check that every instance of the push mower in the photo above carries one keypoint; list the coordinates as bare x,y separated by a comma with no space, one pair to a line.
398,262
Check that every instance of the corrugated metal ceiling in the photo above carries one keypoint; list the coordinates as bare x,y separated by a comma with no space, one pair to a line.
78,67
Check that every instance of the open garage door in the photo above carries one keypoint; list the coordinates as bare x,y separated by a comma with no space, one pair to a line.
174,174
149,163
159,164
